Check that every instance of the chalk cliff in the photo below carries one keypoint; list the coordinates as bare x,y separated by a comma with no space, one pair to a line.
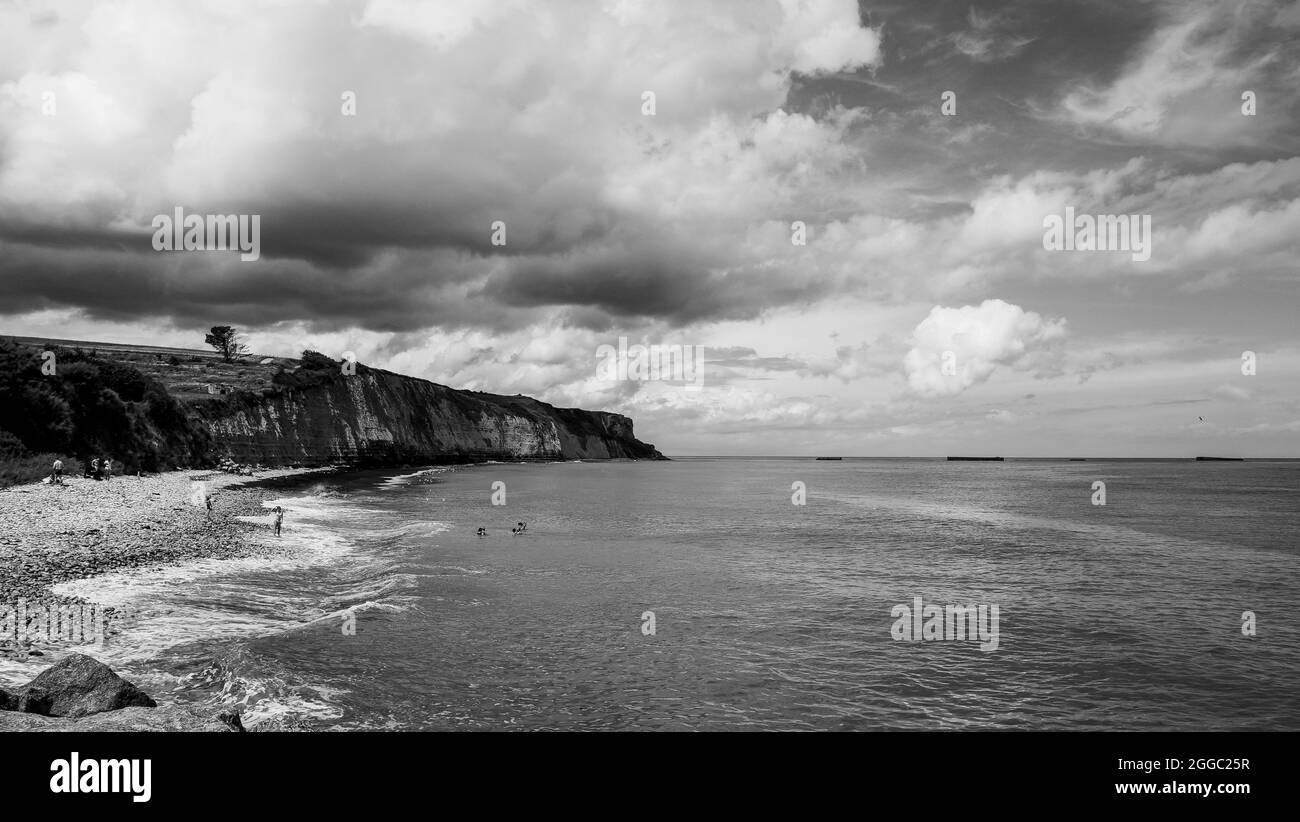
377,417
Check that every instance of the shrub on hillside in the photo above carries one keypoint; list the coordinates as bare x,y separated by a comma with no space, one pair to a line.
315,369
95,407
316,361
11,446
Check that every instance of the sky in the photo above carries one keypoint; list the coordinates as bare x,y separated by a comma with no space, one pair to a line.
921,147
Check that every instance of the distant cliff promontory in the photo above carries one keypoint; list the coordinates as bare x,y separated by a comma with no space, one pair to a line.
378,417
153,408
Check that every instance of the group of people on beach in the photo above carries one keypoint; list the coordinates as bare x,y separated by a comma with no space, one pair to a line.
100,469
96,469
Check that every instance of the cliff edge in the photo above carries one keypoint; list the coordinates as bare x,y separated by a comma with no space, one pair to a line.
378,417
153,408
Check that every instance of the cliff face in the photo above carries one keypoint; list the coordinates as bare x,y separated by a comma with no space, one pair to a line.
377,417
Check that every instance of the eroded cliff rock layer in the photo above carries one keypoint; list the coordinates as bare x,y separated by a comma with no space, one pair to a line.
377,417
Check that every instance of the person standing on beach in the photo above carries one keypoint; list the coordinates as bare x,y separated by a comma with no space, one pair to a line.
57,477
279,518
207,500
108,468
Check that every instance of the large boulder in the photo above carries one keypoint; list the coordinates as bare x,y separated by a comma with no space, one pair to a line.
79,686
34,701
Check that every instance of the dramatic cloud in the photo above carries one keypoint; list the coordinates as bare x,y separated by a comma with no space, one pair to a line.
526,114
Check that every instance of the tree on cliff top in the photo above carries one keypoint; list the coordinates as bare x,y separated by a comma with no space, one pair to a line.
227,341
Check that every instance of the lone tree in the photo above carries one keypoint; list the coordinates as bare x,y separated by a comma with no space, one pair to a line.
226,340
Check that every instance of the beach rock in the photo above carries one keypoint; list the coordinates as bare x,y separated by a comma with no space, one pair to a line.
232,721
34,701
162,718
8,701
79,686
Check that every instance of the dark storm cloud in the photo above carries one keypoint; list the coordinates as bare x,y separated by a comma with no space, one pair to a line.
383,217
636,275
400,293
339,206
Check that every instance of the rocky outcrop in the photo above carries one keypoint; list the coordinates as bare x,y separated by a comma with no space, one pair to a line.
77,686
380,418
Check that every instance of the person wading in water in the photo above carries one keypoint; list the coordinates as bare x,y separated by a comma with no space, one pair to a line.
279,518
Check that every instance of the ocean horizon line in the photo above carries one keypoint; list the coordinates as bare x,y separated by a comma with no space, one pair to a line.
946,457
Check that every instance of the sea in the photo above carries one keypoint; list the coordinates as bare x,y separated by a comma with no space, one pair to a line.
743,594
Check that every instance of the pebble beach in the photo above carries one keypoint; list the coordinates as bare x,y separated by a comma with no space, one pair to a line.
51,534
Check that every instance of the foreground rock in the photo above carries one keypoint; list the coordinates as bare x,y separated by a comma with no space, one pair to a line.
162,719
74,687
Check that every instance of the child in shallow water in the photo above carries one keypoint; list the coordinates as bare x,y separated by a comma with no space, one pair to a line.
279,518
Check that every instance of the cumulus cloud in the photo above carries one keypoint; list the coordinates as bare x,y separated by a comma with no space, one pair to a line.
971,342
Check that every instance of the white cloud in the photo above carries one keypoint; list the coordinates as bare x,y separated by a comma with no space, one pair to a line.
989,39
975,340
1184,85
